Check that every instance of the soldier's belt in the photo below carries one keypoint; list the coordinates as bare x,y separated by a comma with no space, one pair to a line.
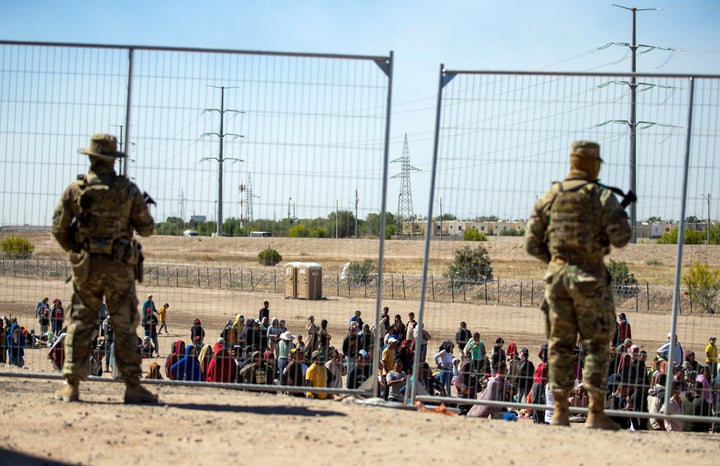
577,261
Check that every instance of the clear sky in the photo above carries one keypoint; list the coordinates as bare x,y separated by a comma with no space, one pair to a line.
564,35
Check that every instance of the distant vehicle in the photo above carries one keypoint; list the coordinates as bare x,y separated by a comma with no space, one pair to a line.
260,234
190,233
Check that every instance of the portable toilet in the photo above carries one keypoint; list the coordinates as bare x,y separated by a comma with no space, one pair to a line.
309,281
291,285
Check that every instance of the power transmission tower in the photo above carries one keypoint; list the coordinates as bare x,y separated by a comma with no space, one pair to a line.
246,201
405,209
220,159
633,123
182,205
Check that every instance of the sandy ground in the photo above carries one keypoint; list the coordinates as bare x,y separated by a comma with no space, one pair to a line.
211,426
204,425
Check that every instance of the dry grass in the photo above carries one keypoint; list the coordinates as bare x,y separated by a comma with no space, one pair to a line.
651,263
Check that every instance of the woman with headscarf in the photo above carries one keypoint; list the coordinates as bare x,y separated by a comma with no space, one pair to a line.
153,372
188,368
222,366
177,351
204,359
250,335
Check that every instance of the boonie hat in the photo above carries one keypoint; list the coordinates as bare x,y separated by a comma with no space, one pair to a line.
102,145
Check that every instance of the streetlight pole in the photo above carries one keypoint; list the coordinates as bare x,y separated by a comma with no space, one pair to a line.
289,205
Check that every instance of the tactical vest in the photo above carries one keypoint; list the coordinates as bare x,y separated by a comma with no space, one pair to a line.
575,223
103,213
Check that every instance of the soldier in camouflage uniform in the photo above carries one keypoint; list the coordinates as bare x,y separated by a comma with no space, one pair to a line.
95,222
571,229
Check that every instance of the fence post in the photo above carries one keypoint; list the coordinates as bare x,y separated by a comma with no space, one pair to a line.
647,288
498,290
337,284
275,280
403,286
392,286
432,286
486,294
452,290
521,293
532,293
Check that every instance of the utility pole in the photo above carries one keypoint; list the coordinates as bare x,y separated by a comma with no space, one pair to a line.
633,119
121,143
707,227
357,200
220,159
441,218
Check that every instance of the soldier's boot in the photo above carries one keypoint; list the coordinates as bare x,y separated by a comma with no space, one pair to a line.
561,413
136,393
70,390
597,419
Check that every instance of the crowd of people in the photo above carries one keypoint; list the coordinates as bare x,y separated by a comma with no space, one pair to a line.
263,351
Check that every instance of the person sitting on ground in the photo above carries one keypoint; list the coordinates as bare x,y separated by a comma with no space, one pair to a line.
359,373
188,367
204,358
497,389
221,367
146,348
176,352
293,373
153,372
256,372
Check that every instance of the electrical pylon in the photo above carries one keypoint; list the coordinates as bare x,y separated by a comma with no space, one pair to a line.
405,210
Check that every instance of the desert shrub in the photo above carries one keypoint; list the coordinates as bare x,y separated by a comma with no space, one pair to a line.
653,262
473,234
471,266
361,273
511,232
269,256
702,284
623,280
16,247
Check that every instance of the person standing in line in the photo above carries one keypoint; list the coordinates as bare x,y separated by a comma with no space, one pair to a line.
95,222
711,359
162,313
57,316
571,229
148,307
42,312
264,311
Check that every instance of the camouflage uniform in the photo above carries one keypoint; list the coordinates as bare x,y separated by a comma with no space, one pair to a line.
94,222
571,228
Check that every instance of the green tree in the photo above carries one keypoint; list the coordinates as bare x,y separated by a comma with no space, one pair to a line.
471,266
702,284
473,234
371,225
693,219
269,256
621,274
16,247
691,237
654,219
298,231
345,223
172,226
361,273
487,218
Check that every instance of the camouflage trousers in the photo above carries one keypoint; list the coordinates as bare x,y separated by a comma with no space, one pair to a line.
580,303
116,282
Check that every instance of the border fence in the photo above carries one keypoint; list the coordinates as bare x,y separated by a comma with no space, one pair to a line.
301,132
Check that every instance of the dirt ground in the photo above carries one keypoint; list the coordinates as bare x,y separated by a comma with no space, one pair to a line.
205,425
